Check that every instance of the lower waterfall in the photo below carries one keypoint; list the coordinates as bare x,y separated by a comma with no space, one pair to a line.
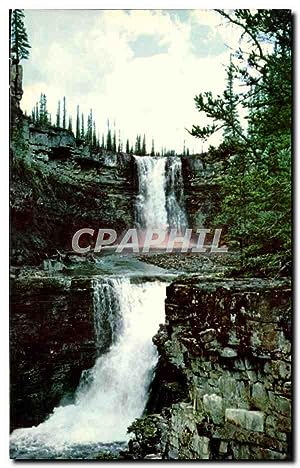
114,392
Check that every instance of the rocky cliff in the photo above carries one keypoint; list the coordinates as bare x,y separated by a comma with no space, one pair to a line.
223,385
52,340
202,189
58,185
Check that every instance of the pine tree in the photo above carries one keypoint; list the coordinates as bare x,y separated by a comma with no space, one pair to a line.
89,132
33,115
127,146
152,148
94,138
58,114
144,150
37,117
231,131
70,124
43,113
114,144
138,145
64,113
82,134
78,123
19,45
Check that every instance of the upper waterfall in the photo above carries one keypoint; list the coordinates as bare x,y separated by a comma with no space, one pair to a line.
160,199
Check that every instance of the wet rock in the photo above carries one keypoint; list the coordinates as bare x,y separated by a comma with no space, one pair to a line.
250,420
213,405
238,405
52,340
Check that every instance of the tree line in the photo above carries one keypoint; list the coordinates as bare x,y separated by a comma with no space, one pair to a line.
85,129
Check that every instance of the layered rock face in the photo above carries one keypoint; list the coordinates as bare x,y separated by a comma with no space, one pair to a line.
223,384
16,91
52,340
58,185
201,188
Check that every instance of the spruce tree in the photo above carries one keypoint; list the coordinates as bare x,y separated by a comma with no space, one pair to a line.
78,123
114,145
19,45
64,113
82,134
43,113
89,132
152,148
58,115
143,149
37,117
127,146
94,138
138,145
70,124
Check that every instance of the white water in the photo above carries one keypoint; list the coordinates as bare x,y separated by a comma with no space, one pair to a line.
116,391
160,201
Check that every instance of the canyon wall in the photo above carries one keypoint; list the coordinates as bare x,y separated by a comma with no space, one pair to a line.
52,340
223,385
58,185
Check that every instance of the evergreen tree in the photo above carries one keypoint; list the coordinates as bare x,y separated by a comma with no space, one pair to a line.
19,45
70,124
43,113
138,148
37,117
152,148
102,143
82,134
127,146
64,113
78,123
144,150
89,132
94,138
114,144
108,138
58,115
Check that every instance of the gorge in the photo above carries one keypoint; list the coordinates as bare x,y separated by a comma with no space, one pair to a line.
216,381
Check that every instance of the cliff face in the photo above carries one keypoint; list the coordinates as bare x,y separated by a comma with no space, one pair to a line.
201,188
52,340
59,186
16,91
223,384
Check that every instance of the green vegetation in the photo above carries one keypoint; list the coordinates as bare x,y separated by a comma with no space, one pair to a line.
256,150
19,45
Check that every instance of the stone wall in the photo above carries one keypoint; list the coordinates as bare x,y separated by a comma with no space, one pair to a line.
223,385
52,340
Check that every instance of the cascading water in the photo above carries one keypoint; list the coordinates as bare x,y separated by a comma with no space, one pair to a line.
160,201
114,392
175,195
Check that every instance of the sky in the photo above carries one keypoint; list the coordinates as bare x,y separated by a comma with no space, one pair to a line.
141,69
